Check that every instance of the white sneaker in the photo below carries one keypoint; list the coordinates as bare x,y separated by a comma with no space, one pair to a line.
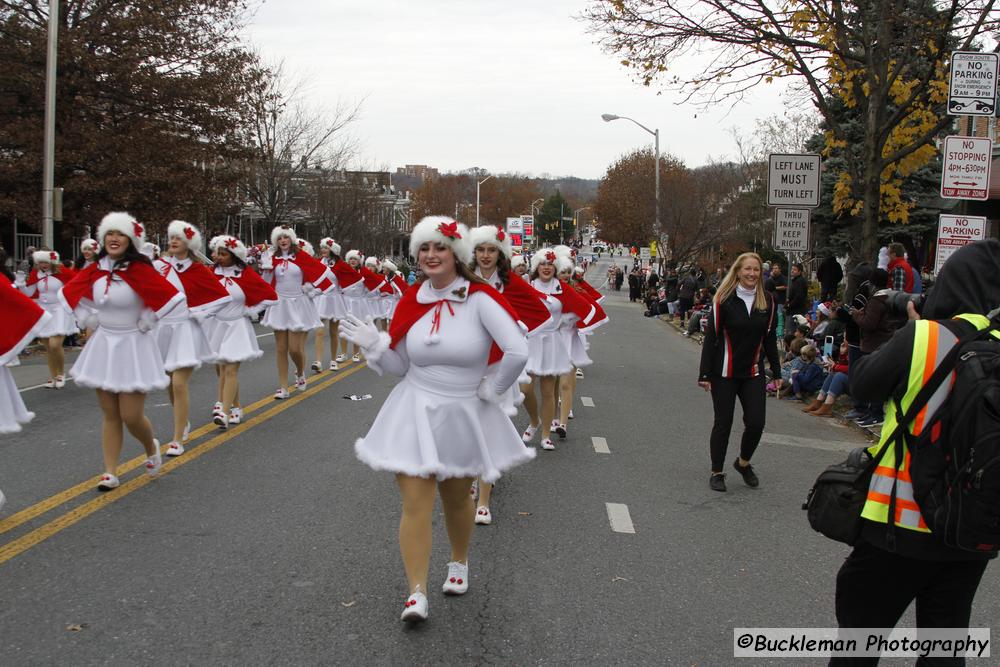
50,383
235,415
154,462
187,432
555,424
317,366
457,581
579,373
561,431
356,358
174,449
219,419
334,366
107,482
415,609
529,433
281,394
341,357
483,516
570,414
300,382
216,407
547,444
60,382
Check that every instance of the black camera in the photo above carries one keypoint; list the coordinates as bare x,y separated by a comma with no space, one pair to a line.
895,302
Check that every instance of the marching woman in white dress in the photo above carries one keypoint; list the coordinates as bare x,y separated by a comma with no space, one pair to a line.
519,267
548,354
43,284
22,320
122,295
492,247
375,283
442,425
353,293
88,254
180,336
330,306
398,285
294,316
232,337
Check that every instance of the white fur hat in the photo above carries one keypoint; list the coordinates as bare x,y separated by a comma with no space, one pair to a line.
353,254
563,250
150,250
563,264
579,271
331,244
371,262
516,261
444,230
122,223
90,243
306,247
49,256
493,236
543,256
283,230
232,244
389,266
186,232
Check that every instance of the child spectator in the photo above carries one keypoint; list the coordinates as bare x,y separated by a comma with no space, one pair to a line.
834,385
810,375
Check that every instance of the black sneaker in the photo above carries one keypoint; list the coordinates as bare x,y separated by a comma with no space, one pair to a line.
717,482
749,476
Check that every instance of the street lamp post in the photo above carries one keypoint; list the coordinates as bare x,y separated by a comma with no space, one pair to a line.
49,159
607,118
576,221
479,183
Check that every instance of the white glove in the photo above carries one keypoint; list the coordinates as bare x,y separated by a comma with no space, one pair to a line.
486,392
362,333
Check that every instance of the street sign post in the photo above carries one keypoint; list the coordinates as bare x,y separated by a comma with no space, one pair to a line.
528,225
791,229
955,231
966,170
972,88
645,254
515,226
793,180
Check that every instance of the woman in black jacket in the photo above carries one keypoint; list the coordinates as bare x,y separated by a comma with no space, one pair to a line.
740,328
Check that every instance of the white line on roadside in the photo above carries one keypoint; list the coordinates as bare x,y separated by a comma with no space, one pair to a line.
265,335
621,521
600,445
587,401
37,386
810,443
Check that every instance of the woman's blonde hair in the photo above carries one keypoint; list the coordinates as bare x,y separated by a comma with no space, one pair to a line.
728,285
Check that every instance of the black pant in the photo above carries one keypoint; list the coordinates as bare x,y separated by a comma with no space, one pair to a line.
874,588
724,393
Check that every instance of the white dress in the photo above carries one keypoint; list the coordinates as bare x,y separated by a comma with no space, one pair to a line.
13,413
330,305
62,322
179,336
231,336
513,397
356,300
118,357
548,352
433,423
295,310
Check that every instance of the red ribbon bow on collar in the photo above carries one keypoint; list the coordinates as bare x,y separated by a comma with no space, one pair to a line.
189,233
449,230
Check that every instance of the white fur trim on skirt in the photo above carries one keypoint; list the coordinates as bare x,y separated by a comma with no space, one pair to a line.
182,344
233,341
62,323
292,313
422,433
13,413
577,347
548,355
120,361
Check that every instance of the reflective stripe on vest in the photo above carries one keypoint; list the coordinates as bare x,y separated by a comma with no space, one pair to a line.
931,345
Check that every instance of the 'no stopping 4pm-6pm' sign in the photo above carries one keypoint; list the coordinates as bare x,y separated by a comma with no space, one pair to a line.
965,173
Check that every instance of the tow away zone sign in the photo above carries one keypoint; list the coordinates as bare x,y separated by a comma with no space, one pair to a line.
966,170
955,231
791,229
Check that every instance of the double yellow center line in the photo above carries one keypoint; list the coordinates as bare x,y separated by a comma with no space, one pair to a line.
42,533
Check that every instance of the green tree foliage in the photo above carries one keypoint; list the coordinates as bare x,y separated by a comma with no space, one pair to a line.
549,223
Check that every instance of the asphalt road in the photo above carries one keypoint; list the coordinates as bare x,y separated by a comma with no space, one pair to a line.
272,544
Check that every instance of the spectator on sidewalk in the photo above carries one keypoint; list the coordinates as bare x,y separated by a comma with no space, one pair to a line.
686,293
829,274
877,324
900,271
834,385
810,375
777,284
798,293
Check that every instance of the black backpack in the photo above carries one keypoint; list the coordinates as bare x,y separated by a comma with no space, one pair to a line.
955,462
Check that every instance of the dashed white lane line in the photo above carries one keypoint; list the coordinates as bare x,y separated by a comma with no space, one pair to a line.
621,520
587,401
600,445
265,335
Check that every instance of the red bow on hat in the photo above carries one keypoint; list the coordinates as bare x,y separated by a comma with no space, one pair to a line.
189,233
550,256
449,230
500,235
302,244
137,229
329,243
231,243
53,256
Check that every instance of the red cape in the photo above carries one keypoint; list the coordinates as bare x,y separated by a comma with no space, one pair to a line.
410,310
313,271
345,273
156,293
65,275
373,281
528,302
400,284
574,303
595,295
22,319
202,290
600,317
255,289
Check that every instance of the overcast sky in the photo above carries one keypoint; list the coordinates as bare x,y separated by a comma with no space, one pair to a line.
513,86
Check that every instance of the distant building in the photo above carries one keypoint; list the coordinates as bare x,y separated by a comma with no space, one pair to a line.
421,171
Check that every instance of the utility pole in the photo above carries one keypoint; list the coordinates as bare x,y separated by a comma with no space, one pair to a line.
48,166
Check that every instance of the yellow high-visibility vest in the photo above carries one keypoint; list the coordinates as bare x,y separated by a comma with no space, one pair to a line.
931,345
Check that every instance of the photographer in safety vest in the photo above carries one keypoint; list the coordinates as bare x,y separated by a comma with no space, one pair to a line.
895,564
